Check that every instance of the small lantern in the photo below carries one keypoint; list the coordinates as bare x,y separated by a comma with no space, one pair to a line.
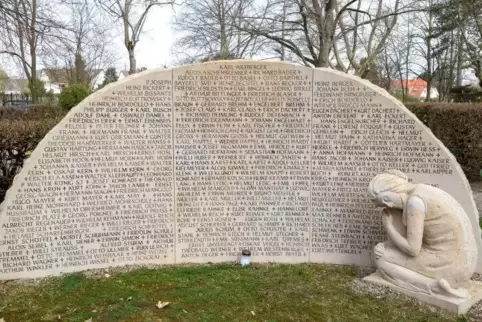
245,257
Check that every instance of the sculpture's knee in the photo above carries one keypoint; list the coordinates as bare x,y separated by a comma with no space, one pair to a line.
382,265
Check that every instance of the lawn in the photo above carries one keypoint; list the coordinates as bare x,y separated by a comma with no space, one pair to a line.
208,293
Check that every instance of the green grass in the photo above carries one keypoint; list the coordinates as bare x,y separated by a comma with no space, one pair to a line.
208,293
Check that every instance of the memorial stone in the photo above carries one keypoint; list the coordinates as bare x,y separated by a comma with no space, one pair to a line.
431,250
197,163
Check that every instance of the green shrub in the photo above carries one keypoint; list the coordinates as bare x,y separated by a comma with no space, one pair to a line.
39,88
459,127
73,95
20,132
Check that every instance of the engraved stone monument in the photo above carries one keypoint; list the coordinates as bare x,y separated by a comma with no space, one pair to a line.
431,251
197,163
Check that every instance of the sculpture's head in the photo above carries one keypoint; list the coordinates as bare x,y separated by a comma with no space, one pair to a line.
389,189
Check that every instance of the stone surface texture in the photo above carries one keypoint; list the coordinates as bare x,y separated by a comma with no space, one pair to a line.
194,164
431,248
458,306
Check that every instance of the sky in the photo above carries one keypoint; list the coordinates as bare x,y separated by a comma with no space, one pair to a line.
154,47
152,51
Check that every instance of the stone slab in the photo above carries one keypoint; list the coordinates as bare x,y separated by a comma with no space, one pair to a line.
194,164
460,306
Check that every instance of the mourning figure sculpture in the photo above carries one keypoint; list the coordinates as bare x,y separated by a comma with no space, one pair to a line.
431,247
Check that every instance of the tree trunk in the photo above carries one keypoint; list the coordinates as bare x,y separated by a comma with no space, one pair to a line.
459,59
129,40
33,54
460,31
132,60
429,57
478,71
327,34
33,80
402,84
429,91
21,42
283,23
407,59
453,61
404,80
224,49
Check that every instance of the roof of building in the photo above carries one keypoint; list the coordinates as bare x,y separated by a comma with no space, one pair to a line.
415,87
63,75
14,85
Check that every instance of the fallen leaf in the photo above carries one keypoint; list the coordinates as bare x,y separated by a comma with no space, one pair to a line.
184,311
161,305
129,298
94,311
252,312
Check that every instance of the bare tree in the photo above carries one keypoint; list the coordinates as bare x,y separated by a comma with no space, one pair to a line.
215,35
425,43
396,58
83,46
23,39
132,14
463,19
6,9
388,69
471,14
365,40
25,24
306,28
310,29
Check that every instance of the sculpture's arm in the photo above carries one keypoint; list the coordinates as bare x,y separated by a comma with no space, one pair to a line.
415,223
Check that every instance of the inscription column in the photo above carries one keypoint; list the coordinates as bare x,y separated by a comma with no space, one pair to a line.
102,191
242,162
345,224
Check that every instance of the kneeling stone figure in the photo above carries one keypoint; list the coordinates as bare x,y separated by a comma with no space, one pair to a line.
431,247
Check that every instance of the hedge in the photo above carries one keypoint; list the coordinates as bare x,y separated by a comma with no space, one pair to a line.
20,131
459,127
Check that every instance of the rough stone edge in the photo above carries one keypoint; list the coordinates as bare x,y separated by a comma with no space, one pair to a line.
36,154
361,287
399,104
459,306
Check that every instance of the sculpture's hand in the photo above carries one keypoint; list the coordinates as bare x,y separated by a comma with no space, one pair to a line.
379,250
